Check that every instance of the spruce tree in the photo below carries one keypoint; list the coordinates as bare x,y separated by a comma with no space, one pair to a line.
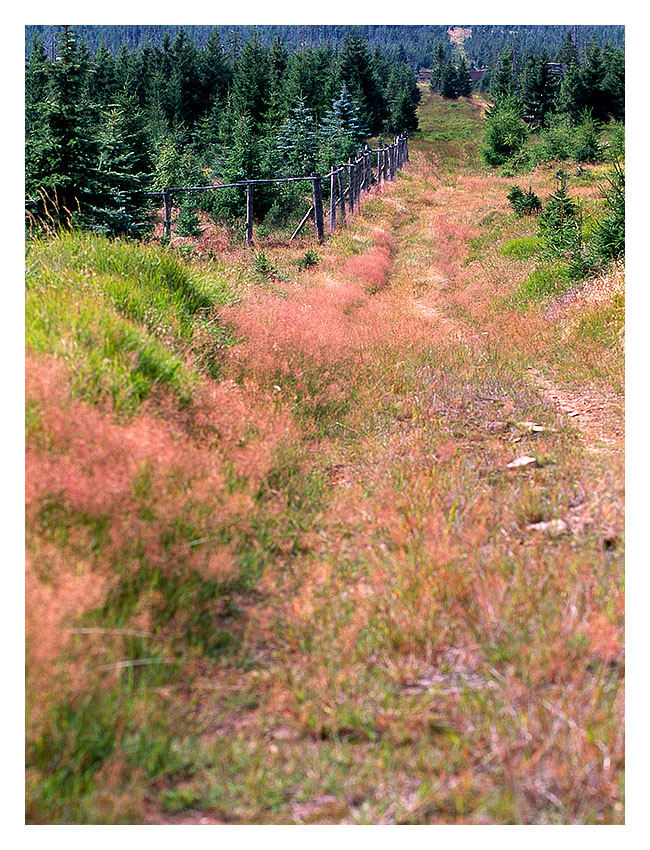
297,142
567,53
103,83
215,73
72,146
592,76
252,83
539,88
463,79
440,60
449,82
357,71
341,132
614,82
503,85
123,174
37,141
186,80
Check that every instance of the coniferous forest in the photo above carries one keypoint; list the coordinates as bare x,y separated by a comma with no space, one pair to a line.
112,112
101,128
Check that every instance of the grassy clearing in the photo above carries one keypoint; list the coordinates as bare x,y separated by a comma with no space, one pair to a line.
317,564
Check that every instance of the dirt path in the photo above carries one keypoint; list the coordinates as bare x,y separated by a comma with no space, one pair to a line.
597,416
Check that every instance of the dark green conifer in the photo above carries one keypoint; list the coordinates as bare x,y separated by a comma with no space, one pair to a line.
463,79
449,82
357,71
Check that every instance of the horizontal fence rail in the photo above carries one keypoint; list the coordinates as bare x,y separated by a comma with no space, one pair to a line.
358,173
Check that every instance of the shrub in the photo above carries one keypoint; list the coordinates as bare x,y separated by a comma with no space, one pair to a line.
187,223
262,265
505,134
587,148
309,258
524,203
558,222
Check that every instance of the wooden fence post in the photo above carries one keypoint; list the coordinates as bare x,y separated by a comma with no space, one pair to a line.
339,180
351,185
167,226
357,183
332,201
249,213
318,206
385,171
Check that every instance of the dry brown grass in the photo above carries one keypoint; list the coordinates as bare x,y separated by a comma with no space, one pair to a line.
409,650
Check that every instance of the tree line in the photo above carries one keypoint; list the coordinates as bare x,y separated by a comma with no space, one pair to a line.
592,80
413,44
565,111
102,127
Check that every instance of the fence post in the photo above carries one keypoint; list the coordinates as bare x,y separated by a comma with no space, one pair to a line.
167,226
249,213
339,180
357,187
332,201
318,206
386,160
351,185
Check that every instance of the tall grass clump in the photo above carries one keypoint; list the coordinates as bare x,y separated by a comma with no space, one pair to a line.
127,318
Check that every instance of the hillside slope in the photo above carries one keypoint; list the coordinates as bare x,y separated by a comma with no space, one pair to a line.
278,566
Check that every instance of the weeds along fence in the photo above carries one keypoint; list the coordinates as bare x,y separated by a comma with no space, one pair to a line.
344,184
